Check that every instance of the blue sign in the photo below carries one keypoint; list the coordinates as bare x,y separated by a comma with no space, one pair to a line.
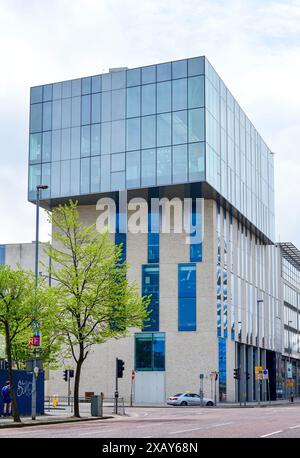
23,388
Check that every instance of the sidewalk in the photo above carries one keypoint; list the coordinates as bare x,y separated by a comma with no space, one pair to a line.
223,405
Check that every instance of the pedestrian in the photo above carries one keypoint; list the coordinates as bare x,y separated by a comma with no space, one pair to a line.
292,396
6,399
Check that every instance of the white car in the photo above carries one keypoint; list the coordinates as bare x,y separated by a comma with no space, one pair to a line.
189,399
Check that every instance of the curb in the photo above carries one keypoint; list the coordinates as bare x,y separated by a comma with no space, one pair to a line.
51,422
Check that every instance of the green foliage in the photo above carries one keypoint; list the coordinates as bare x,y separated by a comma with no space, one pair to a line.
94,298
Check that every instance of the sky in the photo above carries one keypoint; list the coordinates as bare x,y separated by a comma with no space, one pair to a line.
254,46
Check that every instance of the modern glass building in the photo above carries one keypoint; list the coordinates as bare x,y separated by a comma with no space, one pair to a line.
162,131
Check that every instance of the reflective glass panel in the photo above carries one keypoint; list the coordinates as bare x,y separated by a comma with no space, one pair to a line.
163,165
105,138
85,175
133,101
148,99
96,108
179,69
86,109
56,145
179,163
65,143
179,94
196,92
66,113
164,97
133,134
196,125
148,167
196,161
47,115
46,156
164,131
95,174
85,141
148,131
35,148
76,111
179,127
118,104
133,166
118,136
164,71
36,117
95,140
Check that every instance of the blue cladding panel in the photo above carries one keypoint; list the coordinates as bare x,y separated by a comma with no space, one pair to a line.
187,297
150,285
2,254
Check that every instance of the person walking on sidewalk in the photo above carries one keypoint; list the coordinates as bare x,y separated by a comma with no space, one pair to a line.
6,399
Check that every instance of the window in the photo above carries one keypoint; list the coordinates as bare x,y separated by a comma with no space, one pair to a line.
46,155
85,175
56,114
133,137
95,174
36,117
65,178
196,235
148,131
85,141
118,136
86,109
163,165
95,140
179,94
96,108
35,148
133,101
164,131
196,125
179,163
86,85
196,92
196,66
133,169
148,167
47,92
179,69
36,94
76,111
150,285
163,97
47,115
76,87
34,178
150,352
65,143
133,77
66,113
56,145
118,162
148,99
187,297
179,127
153,235
118,104
149,74
196,161
164,71
96,83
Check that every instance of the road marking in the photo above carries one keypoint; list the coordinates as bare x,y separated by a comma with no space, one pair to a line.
294,427
146,437
184,431
222,424
271,434
96,431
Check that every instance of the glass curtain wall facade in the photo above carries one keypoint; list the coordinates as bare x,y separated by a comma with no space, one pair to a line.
170,123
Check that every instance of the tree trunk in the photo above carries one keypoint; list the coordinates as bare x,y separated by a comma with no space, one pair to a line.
15,410
76,386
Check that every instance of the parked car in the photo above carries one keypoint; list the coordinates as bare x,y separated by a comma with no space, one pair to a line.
188,399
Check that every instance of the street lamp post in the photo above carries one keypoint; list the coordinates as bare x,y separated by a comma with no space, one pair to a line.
34,374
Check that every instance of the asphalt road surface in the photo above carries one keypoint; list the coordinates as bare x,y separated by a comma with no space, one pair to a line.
177,422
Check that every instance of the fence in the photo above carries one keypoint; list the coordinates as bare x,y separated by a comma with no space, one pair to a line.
65,404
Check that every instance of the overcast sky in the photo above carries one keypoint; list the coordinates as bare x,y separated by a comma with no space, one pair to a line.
254,45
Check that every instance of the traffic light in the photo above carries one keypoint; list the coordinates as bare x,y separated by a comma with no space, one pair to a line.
71,373
120,368
247,375
66,375
236,373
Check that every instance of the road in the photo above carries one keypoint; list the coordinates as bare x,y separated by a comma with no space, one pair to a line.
178,422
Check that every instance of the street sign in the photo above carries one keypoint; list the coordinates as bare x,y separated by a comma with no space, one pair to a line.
290,383
36,371
201,376
265,374
34,341
258,373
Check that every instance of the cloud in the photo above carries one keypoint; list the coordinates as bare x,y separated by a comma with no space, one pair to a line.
253,45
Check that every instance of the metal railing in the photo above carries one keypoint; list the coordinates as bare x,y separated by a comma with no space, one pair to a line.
65,403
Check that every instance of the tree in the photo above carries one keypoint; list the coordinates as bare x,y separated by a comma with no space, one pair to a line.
16,315
21,302
95,300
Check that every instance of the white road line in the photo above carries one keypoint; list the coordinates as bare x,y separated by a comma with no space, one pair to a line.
222,424
294,427
146,437
271,434
184,431
97,431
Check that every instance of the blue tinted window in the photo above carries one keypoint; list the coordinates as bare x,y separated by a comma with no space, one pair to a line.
85,175
105,173
57,88
164,166
65,143
133,101
179,127
222,368
187,297
105,138
133,169
95,140
150,352
96,83
76,87
56,145
46,179
47,92
118,79
134,77
34,178
76,111
196,66
75,174
196,92
196,125
66,89
163,71
148,131
117,181
96,108
148,167
120,239
36,117
118,104
106,106
150,285
56,114
118,162
65,178
55,179
179,69
86,85
179,163
164,131
148,99
86,109
118,136
196,234
66,113
85,141
2,254
149,74
133,134
164,97
153,237
179,94
95,174
106,82
36,94
35,148
196,162
75,143
46,155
